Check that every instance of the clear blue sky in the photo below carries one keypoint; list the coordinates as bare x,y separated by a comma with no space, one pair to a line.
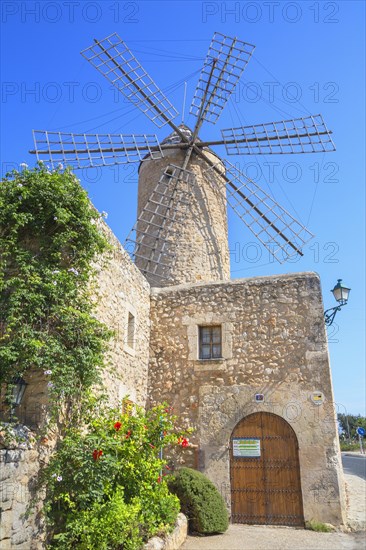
309,59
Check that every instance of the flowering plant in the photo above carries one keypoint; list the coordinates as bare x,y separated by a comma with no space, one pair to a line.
115,456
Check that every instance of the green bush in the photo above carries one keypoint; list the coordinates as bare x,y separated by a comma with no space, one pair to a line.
345,446
106,485
105,525
200,501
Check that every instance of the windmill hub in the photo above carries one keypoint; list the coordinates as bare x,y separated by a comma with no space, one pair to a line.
174,137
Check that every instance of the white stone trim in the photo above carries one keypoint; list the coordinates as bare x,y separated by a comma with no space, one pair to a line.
209,319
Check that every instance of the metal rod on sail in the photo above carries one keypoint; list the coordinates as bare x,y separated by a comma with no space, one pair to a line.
254,140
144,95
247,199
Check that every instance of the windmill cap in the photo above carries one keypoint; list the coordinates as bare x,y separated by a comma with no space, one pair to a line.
176,138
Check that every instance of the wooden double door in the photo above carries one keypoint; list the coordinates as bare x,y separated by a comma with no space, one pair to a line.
265,472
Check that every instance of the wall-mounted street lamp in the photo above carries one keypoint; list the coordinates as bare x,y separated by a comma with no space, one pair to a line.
340,293
19,385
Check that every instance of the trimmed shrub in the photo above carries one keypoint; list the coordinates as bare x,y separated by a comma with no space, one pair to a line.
200,501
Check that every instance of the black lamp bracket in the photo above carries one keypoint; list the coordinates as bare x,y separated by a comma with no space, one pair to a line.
329,314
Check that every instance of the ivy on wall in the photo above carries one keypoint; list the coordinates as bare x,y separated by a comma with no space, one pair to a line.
49,239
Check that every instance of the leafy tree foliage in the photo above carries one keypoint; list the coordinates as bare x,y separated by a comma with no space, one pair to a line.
353,422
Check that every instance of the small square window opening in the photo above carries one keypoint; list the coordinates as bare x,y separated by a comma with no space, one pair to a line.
210,342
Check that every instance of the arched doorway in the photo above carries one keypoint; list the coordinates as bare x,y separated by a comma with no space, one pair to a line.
265,472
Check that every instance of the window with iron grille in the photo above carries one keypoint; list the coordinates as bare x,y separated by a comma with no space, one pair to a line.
210,342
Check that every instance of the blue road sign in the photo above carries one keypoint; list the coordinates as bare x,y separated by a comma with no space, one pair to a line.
361,431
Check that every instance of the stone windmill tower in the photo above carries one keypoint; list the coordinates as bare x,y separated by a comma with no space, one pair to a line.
184,187
181,233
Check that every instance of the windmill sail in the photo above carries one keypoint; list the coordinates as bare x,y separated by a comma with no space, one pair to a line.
298,135
224,64
273,226
113,59
151,241
90,150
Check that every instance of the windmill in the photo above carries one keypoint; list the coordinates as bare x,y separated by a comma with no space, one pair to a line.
184,187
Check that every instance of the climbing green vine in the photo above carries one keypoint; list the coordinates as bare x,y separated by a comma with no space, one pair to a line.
49,238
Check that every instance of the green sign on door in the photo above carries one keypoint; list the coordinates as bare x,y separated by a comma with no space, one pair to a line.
246,447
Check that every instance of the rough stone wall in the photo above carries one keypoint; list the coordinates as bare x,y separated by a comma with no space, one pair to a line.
200,242
274,343
20,459
119,290
122,290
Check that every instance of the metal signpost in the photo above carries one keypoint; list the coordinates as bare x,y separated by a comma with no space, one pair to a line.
361,433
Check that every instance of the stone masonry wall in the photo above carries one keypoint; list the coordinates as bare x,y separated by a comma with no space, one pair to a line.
120,290
20,459
274,342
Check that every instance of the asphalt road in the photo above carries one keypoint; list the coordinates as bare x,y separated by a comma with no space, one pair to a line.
355,465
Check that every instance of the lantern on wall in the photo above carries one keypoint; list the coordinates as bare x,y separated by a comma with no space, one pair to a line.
19,386
340,293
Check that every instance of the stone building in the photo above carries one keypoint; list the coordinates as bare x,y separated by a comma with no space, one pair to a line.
273,369
244,362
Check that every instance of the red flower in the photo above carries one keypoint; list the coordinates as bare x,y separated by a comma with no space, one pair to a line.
167,467
159,479
97,454
117,426
152,446
184,442
128,434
